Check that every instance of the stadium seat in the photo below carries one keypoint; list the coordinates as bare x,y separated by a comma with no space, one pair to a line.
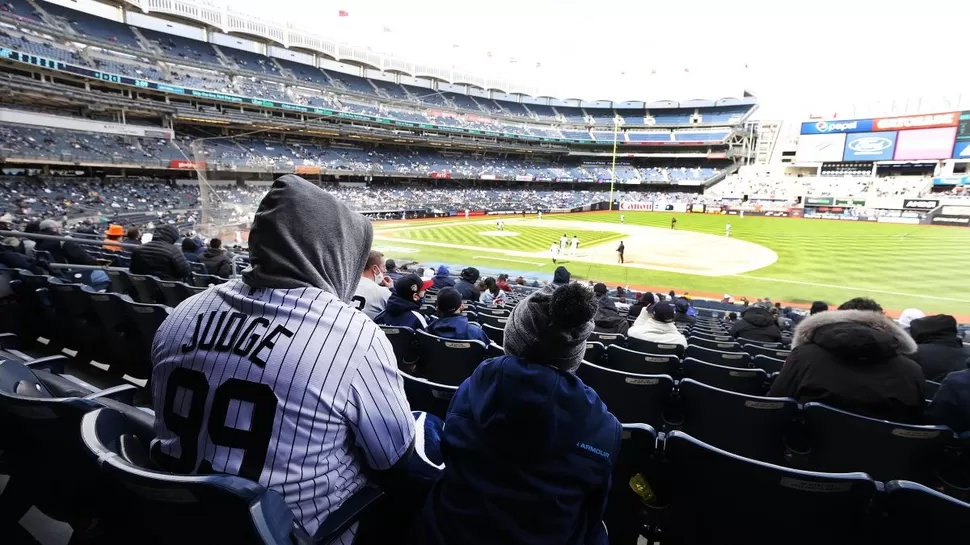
40,416
635,463
146,289
206,280
427,396
173,293
496,334
733,379
718,357
494,351
120,281
745,425
120,334
497,322
447,361
917,514
404,344
930,388
78,326
34,314
721,346
595,353
648,347
755,350
767,364
146,319
632,398
196,509
607,338
719,497
631,361
198,267
840,440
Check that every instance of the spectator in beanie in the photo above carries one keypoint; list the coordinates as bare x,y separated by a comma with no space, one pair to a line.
451,324
818,306
528,448
854,360
656,325
938,349
645,301
404,304
607,319
682,310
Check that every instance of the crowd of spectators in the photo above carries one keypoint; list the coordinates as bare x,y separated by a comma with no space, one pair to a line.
789,188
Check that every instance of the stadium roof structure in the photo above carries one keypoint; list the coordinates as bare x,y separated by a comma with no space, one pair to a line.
220,15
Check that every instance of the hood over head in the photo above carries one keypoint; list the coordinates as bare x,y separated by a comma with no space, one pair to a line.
560,276
305,237
862,336
758,316
442,271
166,233
935,329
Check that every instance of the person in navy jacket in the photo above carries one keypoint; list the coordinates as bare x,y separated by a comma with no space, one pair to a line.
527,447
404,305
451,324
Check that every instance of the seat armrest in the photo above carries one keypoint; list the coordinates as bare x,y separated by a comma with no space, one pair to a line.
124,393
8,340
341,520
54,364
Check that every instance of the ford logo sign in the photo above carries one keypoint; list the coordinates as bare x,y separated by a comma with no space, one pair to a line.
870,145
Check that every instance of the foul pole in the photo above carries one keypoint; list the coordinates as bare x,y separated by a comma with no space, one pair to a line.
616,133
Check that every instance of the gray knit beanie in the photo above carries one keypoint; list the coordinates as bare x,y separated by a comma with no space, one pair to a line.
552,329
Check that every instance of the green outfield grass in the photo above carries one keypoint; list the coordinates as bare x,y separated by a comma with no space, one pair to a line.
529,239
900,266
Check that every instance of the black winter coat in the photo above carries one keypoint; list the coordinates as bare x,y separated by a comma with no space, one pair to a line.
854,360
217,262
64,252
160,257
757,324
939,351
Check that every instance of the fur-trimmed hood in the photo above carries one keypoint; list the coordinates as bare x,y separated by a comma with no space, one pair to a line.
860,335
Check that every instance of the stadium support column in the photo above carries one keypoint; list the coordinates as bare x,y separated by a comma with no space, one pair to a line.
616,132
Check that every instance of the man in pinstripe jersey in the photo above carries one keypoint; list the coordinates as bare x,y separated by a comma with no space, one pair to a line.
276,377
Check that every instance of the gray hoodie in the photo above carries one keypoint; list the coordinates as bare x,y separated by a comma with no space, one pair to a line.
303,236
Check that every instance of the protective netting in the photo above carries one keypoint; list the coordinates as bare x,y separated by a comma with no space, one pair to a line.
220,215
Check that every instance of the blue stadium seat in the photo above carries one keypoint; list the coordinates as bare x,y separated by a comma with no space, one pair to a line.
427,396
634,468
595,353
631,361
404,344
648,347
496,334
723,498
733,379
755,350
721,346
917,514
607,338
718,357
843,441
447,361
173,293
632,398
749,426
196,509
768,365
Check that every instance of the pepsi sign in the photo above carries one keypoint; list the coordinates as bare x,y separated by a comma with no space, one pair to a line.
869,146
837,126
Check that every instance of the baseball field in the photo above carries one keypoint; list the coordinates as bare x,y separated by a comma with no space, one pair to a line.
787,259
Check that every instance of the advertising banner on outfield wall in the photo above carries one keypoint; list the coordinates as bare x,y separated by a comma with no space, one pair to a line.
920,204
670,207
952,180
189,165
925,144
838,126
955,210
819,201
946,119
869,146
819,148
697,208
849,202
641,206
952,220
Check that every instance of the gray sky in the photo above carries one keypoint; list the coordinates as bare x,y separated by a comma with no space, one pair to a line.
850,57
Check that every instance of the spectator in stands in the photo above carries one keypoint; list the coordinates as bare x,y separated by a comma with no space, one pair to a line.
528,448
451,324
373,291
11,257
331,374
607,318
951,404
560,277
620,295
757,324
442,278
938,349
684,311
6,223
818,306
390,268
113,234
491,295
216,259
907,317
503,283
861,303
161,257
404,305
656,325
191,252
28,244
466,284
133,236
854,360
645,301
731,317
64,252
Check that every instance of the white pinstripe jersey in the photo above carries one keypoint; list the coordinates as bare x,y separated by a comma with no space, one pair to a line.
281,387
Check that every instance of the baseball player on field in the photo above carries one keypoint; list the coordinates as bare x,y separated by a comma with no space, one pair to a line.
275,377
